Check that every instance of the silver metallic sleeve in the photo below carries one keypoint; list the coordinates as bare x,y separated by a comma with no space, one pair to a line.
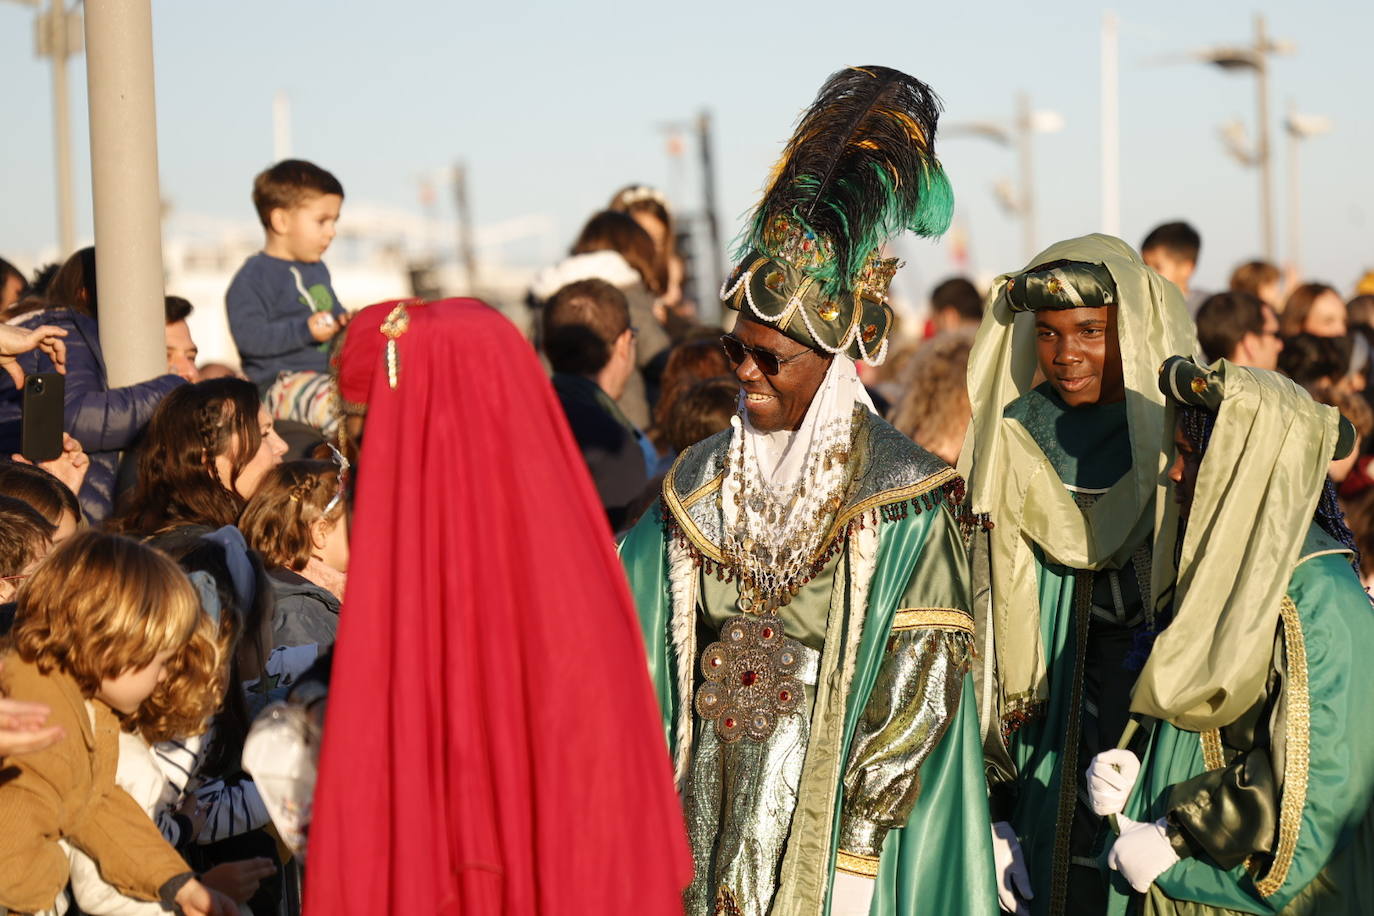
911,706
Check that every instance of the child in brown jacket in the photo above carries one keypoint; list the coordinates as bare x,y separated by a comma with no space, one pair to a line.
95,625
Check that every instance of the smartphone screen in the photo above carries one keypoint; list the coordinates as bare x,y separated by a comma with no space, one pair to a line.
41,426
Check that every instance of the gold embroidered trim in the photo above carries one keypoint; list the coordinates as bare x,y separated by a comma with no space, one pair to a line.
678,507
726,905
1068,762
920,488
855,864
1297,750
1213,757
684,521
703,491
932,618
794,303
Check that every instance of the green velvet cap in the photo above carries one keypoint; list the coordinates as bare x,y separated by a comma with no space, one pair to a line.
1062,285
773,292
1187,383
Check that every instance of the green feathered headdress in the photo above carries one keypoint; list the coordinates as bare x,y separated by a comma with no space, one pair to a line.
860,168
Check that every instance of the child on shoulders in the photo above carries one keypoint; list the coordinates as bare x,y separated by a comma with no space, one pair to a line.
282,310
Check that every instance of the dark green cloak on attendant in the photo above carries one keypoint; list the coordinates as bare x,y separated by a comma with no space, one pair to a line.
1320,747
896,517
1263,758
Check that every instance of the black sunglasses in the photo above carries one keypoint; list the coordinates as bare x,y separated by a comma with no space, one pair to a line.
768,363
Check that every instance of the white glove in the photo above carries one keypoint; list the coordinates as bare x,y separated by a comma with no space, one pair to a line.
1110,778
851,895
1013,881
1142,853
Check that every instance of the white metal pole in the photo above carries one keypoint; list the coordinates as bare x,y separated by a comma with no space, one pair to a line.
281,126
1294,203
1111,127
59,47
1024,128
124,184
1262,145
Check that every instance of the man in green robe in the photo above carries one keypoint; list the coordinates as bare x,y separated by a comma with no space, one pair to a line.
803,580
1069,471
1254,792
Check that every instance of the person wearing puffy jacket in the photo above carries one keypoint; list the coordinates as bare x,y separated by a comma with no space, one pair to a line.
102,419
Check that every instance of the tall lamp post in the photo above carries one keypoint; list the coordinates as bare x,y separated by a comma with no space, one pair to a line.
1298,127
1017,132
1255,58
58,36
124,188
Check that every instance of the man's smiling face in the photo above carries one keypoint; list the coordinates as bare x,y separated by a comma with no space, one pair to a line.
777,402
1080,355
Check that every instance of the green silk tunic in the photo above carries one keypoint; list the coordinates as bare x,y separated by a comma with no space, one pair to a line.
940,861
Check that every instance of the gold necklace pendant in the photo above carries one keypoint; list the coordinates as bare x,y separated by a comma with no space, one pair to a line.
750,678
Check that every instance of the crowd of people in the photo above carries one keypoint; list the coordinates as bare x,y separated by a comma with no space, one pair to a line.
952,618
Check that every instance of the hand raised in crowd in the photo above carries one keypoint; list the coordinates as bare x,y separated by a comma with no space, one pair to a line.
70,467
24,728
195,899
15,341
239,880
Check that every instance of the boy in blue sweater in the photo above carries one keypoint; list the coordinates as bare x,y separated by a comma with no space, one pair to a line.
282,310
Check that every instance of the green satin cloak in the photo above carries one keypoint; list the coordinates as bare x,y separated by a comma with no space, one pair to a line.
1331,871
1037,748
941,862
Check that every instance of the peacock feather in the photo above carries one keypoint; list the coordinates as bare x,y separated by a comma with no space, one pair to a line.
860,168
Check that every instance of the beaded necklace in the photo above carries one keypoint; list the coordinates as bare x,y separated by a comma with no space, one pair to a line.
751,672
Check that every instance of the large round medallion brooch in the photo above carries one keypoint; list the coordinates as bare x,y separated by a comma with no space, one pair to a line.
750,678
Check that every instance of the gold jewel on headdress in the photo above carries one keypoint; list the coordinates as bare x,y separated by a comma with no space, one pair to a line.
396,324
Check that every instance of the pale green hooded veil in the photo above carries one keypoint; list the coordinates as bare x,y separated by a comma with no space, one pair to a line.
1014,483
1257,488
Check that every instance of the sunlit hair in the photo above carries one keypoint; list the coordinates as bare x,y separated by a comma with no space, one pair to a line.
934,408
640,200
102,605
1299,304
689,362
193,687
701,411
39,489
288,501
72,286
24,535
1250,276
178,482
288,184
581,324
618,232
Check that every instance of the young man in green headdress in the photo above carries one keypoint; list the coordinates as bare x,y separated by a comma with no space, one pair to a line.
1069,471
803,581
1255,790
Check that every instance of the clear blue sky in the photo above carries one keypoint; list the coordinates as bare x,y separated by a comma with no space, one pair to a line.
555,105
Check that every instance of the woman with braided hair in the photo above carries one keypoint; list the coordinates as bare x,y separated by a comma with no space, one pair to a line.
208,446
